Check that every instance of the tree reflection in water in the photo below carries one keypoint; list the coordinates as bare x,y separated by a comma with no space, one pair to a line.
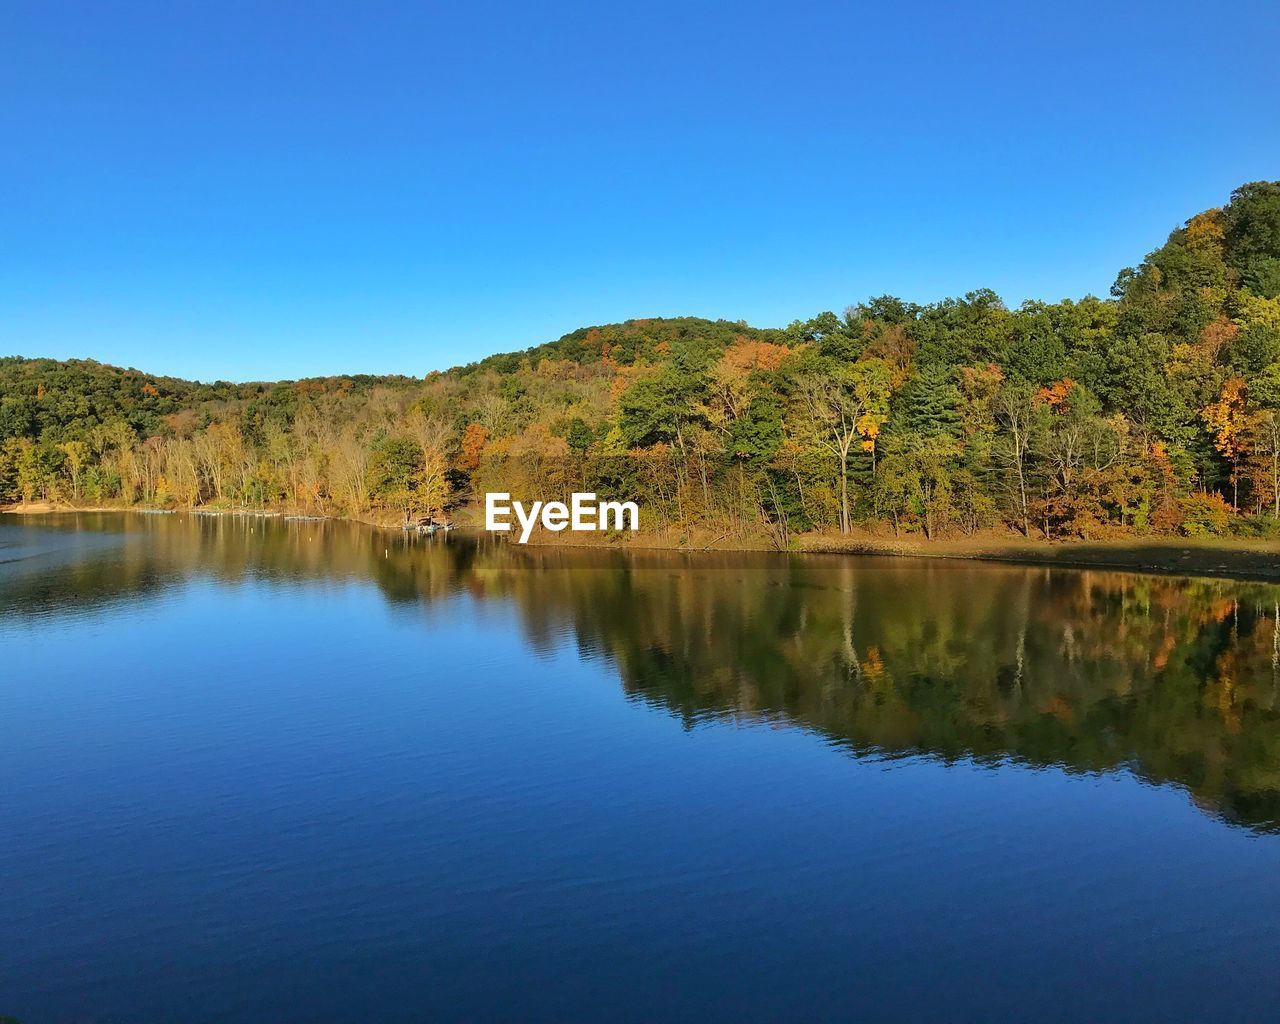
1172,678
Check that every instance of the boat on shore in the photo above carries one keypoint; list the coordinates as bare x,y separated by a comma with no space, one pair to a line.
426,525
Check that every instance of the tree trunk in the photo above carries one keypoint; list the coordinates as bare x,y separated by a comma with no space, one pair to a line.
1022,497
1275,480
844,494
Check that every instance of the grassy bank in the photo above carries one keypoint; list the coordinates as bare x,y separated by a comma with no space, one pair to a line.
1209,556
1234,557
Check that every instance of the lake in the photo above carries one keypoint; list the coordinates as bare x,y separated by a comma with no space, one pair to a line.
291,771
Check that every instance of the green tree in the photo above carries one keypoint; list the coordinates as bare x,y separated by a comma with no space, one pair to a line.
394,472
1252,235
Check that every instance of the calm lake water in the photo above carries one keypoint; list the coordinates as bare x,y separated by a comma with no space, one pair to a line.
264,771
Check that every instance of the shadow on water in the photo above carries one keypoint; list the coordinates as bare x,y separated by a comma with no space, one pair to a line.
1174,679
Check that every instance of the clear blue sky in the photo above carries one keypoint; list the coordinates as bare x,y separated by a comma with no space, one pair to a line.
252,190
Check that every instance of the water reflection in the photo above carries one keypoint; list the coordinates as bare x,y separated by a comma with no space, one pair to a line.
1171,678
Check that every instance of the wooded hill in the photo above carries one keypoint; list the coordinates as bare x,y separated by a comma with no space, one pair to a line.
1155,410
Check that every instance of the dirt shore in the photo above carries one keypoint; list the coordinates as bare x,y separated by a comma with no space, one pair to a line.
1209,556
1233,557
43,508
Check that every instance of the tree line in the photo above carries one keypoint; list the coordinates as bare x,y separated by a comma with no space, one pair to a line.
1155,410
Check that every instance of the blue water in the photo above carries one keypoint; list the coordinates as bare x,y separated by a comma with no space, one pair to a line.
266,771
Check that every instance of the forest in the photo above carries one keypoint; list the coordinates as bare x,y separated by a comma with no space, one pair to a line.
1153,411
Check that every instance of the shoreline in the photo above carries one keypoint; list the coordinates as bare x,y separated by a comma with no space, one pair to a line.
1237,558
1215,557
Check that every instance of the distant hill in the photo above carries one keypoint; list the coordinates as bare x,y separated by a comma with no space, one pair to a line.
56,397
631,340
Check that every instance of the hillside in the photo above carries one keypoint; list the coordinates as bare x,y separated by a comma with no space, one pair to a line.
1155,410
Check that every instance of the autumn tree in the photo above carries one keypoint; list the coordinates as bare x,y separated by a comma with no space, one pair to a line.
846,404
1226,421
